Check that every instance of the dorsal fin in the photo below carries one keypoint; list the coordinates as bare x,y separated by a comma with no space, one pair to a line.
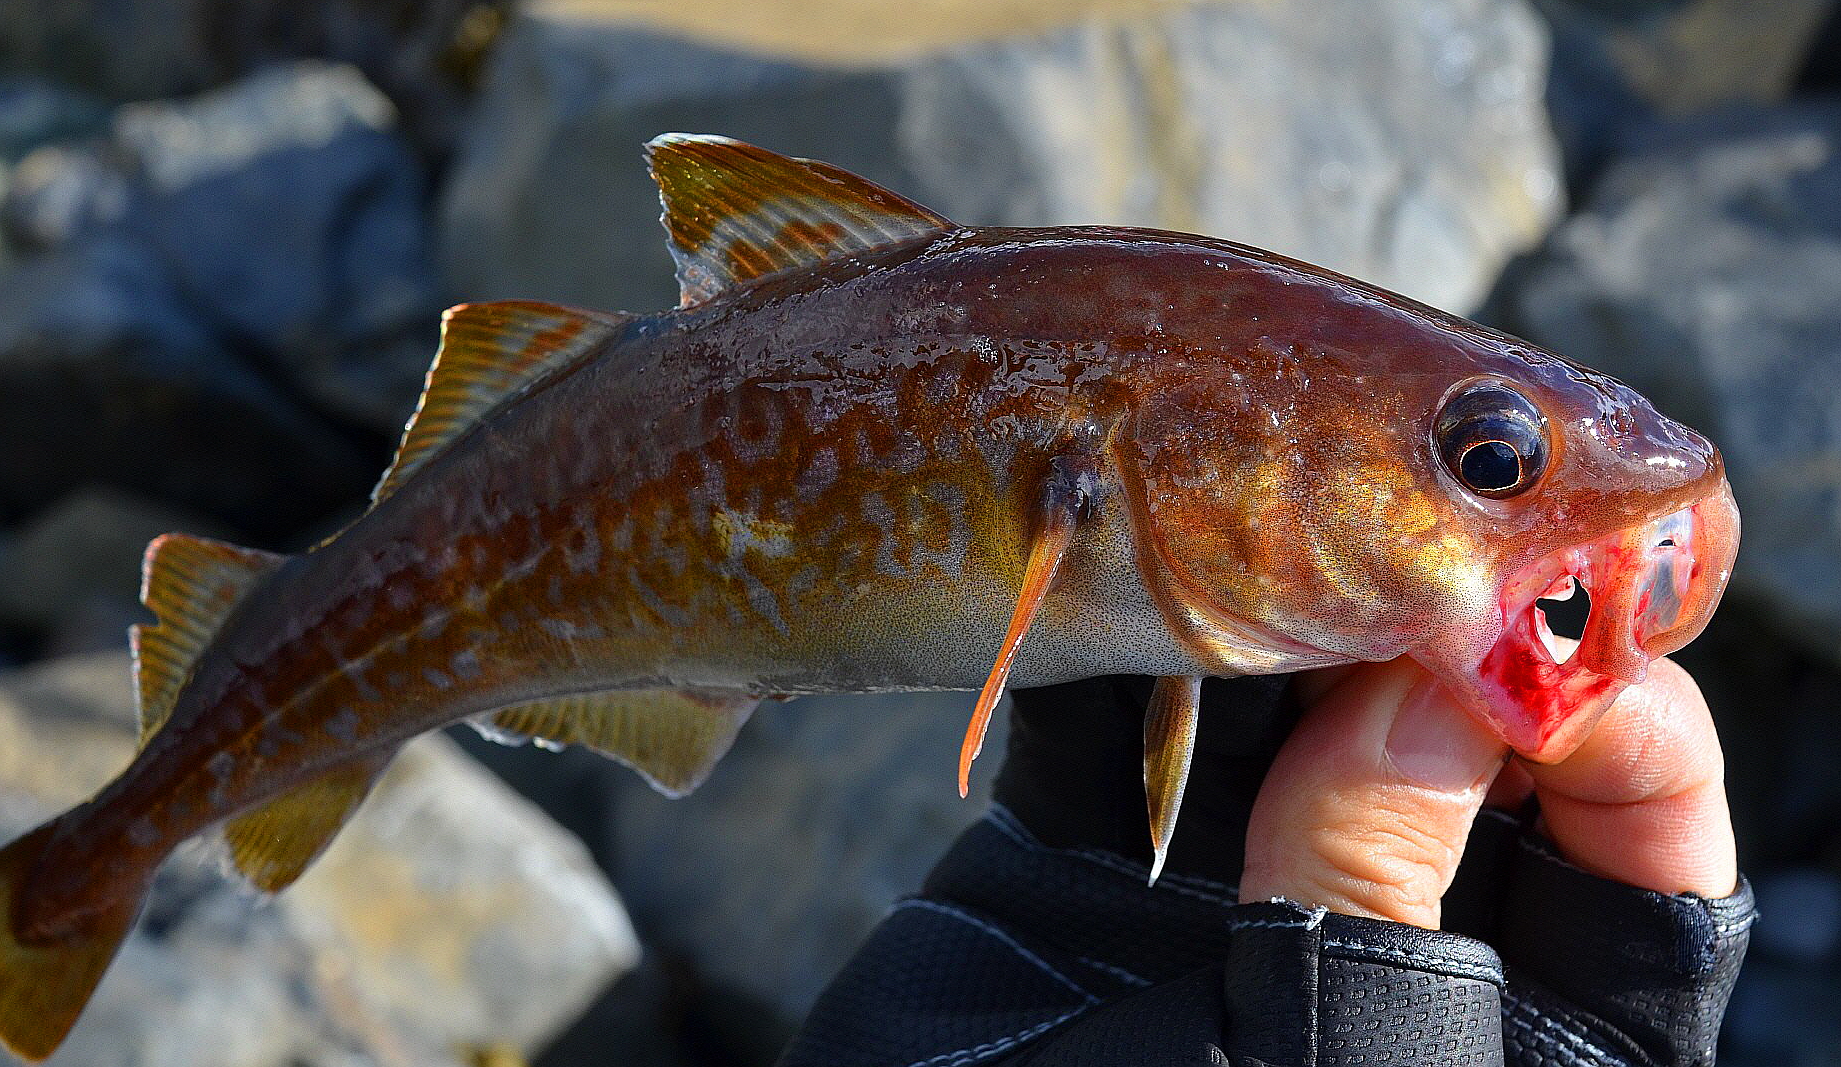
734,212
489,352
672,737
190,584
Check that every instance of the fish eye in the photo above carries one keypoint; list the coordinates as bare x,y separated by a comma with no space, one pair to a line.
1492,439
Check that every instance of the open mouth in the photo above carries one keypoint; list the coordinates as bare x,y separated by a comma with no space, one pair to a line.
1652,588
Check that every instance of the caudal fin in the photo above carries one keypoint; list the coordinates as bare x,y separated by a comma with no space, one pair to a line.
44,985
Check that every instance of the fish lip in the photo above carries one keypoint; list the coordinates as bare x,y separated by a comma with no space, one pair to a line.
1653,587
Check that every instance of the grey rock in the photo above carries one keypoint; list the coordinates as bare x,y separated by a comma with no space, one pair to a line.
1683,56
417,939
289,216
422,52
766,879
1249,120
110,377
254,260
121,49
35,112
1701,272
81,558
61,192
450,900
1619,64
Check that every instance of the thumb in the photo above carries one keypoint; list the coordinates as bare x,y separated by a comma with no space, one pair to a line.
1368,805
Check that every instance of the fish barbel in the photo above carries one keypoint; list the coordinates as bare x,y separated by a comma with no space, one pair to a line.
874,450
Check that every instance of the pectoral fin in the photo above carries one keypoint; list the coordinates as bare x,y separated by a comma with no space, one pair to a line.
1169,742
1067,500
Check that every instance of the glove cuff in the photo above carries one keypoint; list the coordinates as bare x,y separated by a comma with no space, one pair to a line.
1310,988
1642,976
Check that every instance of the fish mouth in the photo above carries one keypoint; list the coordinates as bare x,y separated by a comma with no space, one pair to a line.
1653,586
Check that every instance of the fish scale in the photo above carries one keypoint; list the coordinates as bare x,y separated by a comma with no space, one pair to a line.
874,450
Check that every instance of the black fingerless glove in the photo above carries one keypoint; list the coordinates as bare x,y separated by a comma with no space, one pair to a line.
1036,942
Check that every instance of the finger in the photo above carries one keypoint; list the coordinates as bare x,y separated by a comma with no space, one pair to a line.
1643,800
1511,789
1369,803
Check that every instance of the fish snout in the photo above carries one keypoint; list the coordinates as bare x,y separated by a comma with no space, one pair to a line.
1653,587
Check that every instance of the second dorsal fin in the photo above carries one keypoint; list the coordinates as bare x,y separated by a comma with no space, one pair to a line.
734,212
489,352
191,584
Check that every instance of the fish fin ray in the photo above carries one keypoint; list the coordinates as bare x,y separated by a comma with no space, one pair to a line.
489,353
1038,578
734,212
1067,498
271,845
43,988
191,584
1169,743
672,737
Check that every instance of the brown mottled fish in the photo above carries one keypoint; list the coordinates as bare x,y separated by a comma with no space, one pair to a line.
873,450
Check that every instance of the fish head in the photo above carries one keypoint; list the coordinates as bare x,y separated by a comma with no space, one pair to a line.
1615,499
1421,494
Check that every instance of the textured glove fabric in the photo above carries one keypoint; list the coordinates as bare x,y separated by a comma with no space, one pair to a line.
1037,943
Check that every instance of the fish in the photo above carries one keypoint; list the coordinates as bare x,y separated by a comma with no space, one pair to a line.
875,450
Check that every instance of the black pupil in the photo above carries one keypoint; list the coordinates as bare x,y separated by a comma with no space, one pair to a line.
1491,466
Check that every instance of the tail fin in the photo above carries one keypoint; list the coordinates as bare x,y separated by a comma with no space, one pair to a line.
44,987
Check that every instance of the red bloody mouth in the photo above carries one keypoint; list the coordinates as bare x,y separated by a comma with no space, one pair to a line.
1652,588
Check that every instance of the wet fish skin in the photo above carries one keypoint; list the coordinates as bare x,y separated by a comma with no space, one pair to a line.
838,478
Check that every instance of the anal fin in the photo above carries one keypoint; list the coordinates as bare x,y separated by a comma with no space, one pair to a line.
271,845
672,737
1169,742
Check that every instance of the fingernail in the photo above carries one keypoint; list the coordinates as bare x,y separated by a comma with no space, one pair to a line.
1433,742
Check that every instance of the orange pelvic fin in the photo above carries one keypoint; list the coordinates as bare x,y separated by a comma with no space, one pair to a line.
1067,501
1169,742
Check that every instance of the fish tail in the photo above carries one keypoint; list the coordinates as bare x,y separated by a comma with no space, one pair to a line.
45,982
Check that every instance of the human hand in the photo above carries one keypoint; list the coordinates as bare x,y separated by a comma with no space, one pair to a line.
1068,957
1368,807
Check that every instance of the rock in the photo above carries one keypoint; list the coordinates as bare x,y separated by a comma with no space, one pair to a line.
269,275
766,879
418,938
34,112
1619,64
450,900
1700,272
422,52
290,215
81,711
80,560
61,192
1245,119
109,376
121,50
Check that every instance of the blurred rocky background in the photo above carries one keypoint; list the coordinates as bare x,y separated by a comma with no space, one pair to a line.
227,228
